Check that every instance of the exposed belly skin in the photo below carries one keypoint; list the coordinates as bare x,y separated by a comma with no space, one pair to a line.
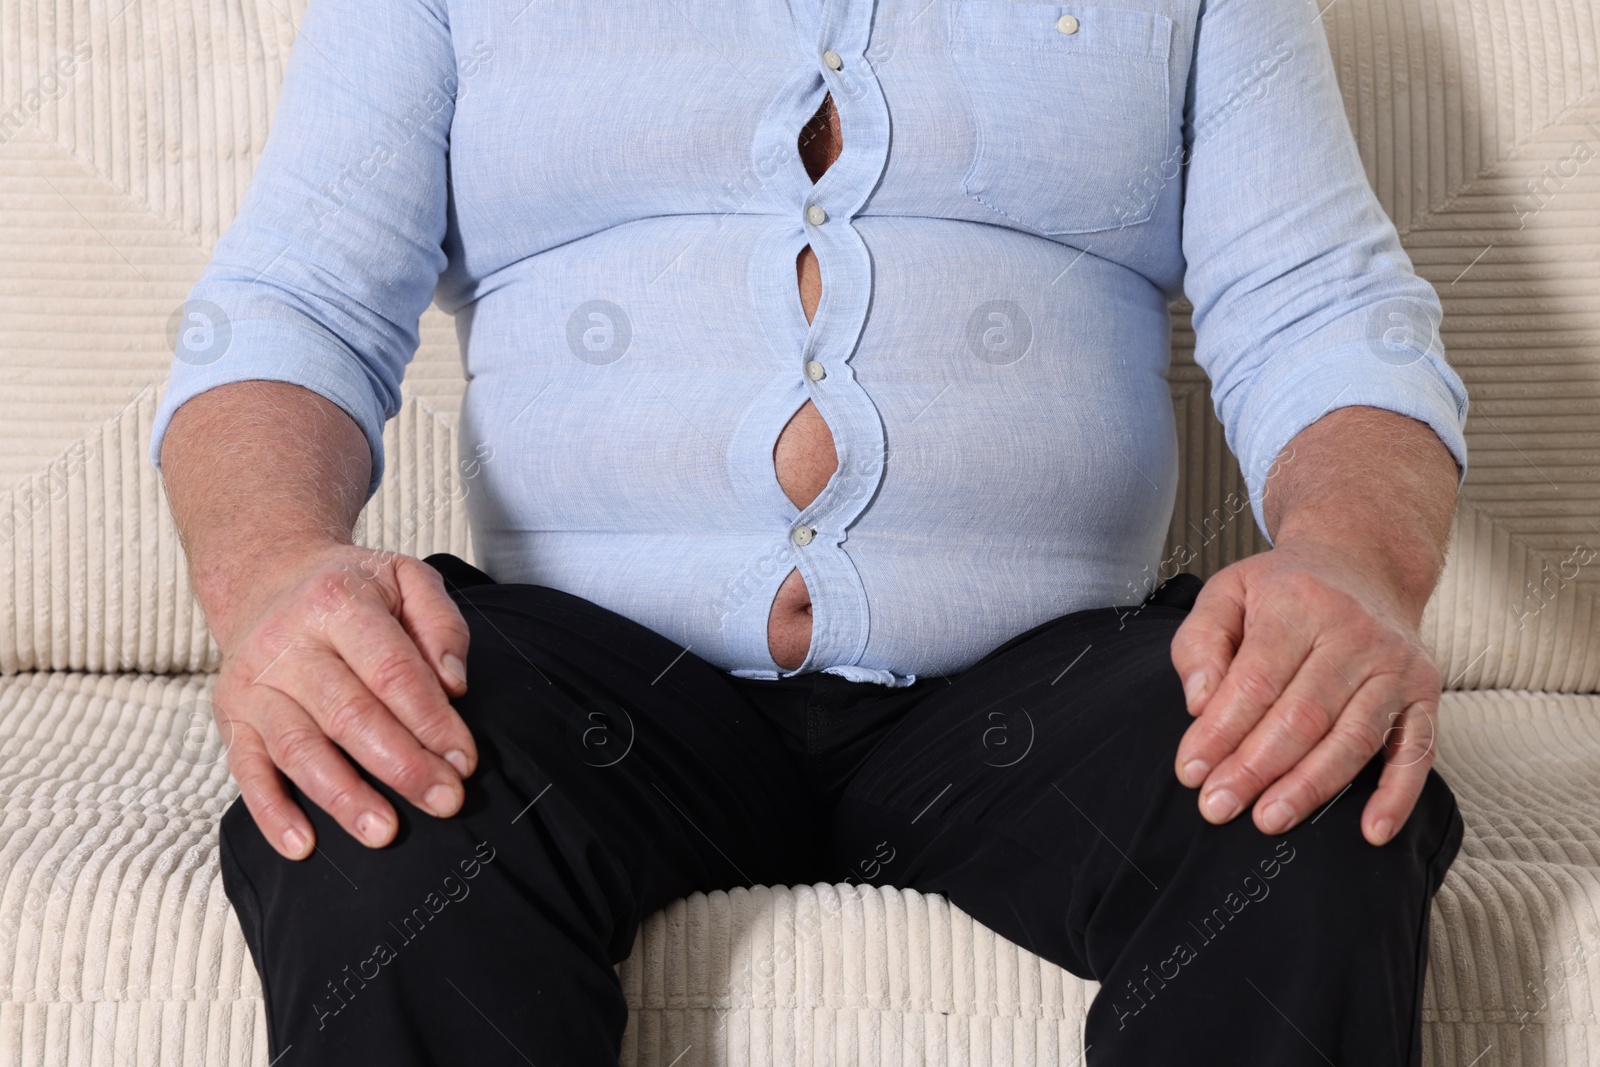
804,456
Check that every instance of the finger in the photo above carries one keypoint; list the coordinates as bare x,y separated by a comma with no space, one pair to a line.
434,622
279,819
1269,656
1312,705
298,746
1333,760
1405,771
348,713
1205,643
388,664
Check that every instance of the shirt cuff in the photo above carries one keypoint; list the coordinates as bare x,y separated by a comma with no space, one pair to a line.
299,356
1291,395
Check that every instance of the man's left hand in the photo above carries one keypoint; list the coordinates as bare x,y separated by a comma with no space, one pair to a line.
1300,667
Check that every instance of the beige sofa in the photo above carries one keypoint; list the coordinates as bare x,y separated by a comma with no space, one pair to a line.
126,142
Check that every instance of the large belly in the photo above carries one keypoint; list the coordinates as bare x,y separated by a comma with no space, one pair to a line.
804,455
1007,490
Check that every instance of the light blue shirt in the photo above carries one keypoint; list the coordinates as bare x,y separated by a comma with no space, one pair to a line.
610,199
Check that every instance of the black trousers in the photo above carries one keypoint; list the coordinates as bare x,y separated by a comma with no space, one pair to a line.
1035,790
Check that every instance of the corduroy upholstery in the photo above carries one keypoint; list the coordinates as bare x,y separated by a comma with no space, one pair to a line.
127,136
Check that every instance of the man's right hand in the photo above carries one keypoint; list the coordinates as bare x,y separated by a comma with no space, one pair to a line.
345,651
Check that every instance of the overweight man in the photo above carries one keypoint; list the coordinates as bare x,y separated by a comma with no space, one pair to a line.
819,458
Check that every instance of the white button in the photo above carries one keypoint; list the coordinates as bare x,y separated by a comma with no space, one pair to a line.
815,215
1067,24
815,371
803,535
831,58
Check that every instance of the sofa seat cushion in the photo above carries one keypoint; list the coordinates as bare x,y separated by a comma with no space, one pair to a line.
117,944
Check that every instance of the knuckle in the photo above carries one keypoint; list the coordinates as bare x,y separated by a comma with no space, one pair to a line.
1364,632
272,638
454,626
339,798
373,563
1200,748
332,582
1300,792
1398,647
1189,647
1421,758
1206,738
327,592
411,776
1249,780
1357,736
245,766
1303,721
1396,728
296,747
1255,687
420,570
1424,717
1412,741
392,674
437,727
346,720
1182,648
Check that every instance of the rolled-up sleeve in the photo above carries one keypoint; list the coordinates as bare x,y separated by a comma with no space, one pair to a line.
336,250
1304,300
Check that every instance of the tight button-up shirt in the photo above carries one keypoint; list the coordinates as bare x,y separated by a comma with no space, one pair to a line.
610,199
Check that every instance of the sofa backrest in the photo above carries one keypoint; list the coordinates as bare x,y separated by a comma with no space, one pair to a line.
127,139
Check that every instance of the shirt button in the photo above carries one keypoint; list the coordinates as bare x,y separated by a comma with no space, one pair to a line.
1067,24
815,371
815,215
831,58
802,535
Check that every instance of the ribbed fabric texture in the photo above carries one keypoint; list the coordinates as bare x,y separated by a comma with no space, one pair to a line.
843,974
116,943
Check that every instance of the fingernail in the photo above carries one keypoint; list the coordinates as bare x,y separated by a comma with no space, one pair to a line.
458,759
1194,687
294,842
441,799
1276,817
454,668
1382,829
1195,771
1221,805
371,825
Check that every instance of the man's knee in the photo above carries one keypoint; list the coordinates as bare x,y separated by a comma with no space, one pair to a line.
1342,872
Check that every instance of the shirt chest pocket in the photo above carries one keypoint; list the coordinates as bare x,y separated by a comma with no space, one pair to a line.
1070,107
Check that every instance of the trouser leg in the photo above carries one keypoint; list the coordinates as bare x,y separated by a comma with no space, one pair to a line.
615,776
1037,791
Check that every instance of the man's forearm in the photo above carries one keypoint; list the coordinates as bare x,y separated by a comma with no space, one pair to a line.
254,470
1372,483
